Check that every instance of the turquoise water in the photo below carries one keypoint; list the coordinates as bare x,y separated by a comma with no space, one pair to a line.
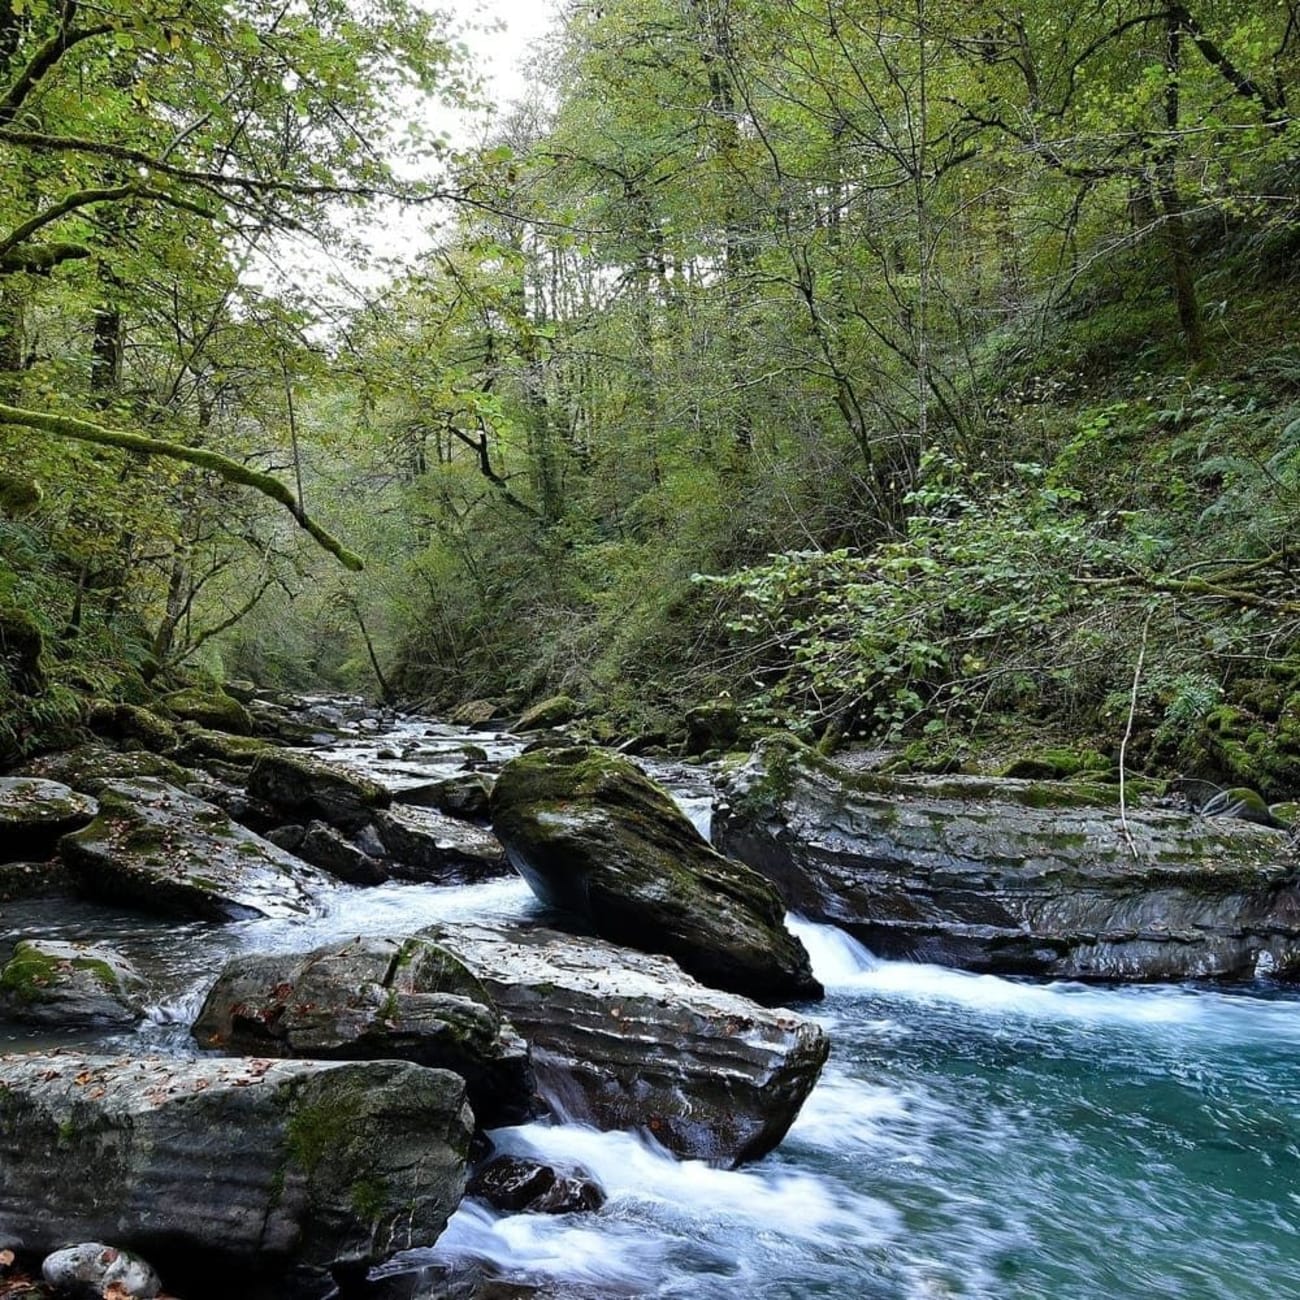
971,1137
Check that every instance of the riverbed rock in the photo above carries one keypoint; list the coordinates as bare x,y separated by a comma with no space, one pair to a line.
69,985
333,852
626,1040
33,880
130,722
712,725
157,848
89,767
35,813
373,998
233,1169
466,794
592,834
1014,876
309,788
203,747
210,708
552,712
429,846
90,1269
473,713
518,1185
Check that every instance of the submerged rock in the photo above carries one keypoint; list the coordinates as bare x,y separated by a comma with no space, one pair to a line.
92,1268
518,1185
1012,876
157,848
69,985
307,788
373,999
593,835
254,1169
624,1040
34,813
427,845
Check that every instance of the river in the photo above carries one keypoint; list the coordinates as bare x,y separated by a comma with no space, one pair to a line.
971,1136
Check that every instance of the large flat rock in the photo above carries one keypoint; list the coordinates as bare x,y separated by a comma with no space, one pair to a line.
626,1040
1014,876
157,848
34,813
229,1169
368,999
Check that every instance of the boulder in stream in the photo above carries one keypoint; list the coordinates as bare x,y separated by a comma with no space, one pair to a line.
69,986
34,813
625,1040
1010,876
552,712
307,787
466,794
429,846
89,767
91,1269
591,834
157,848
230,1169
373,999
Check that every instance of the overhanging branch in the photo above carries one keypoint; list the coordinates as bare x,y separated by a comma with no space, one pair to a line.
65,426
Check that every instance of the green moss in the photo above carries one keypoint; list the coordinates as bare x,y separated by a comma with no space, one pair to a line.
370,1198
317,1129
28,971
100,969
210,708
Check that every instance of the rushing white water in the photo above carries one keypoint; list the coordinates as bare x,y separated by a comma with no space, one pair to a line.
971,1136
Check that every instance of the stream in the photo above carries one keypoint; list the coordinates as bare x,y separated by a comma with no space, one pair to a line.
971,1136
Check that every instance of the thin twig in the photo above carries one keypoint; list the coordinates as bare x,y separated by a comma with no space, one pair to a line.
1128,732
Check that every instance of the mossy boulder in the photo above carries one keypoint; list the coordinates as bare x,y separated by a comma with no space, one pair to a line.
19,495
473,713
1019,877
35,813
131,722
593,835
373,999
202,746
265,1176
1055,765
22,648
70,986
210,708
33,880
90,767
1246,749
162,850
307,787
552,712
712,725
